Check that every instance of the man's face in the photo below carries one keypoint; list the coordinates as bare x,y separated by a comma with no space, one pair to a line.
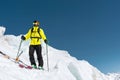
36,24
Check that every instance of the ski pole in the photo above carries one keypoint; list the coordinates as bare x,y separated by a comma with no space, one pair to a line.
18,54
47,56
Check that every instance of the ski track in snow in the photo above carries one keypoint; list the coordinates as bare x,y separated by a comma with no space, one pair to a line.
62,65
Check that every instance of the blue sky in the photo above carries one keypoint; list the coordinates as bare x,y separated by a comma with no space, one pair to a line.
87,29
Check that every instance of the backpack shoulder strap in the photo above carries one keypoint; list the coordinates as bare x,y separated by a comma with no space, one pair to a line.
32,29
39,32
31,32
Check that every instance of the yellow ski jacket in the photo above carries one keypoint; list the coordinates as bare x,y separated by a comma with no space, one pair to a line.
35,36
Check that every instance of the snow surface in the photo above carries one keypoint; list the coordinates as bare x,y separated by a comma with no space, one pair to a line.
62,65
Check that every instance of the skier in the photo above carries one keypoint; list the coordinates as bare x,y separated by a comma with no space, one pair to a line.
35,34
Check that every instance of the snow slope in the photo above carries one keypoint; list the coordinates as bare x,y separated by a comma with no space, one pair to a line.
62,65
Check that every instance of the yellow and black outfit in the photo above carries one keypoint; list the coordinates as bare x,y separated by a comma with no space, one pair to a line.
35,34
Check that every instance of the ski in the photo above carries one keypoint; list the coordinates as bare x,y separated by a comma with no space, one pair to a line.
24,65
20,63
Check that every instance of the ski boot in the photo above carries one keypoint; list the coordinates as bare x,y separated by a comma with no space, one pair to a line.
40,68
34,66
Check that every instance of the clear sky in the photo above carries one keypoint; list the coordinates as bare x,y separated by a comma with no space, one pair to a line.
87,29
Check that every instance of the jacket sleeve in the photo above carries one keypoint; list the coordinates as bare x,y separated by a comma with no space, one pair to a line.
27,36
42,34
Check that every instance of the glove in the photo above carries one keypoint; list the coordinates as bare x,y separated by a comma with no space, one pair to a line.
46,41
22,37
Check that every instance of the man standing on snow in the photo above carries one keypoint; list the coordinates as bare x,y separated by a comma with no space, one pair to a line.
35,34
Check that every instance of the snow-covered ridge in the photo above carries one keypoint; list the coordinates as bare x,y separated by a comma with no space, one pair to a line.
62,65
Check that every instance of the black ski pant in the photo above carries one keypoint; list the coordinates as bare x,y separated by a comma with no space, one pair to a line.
38,50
